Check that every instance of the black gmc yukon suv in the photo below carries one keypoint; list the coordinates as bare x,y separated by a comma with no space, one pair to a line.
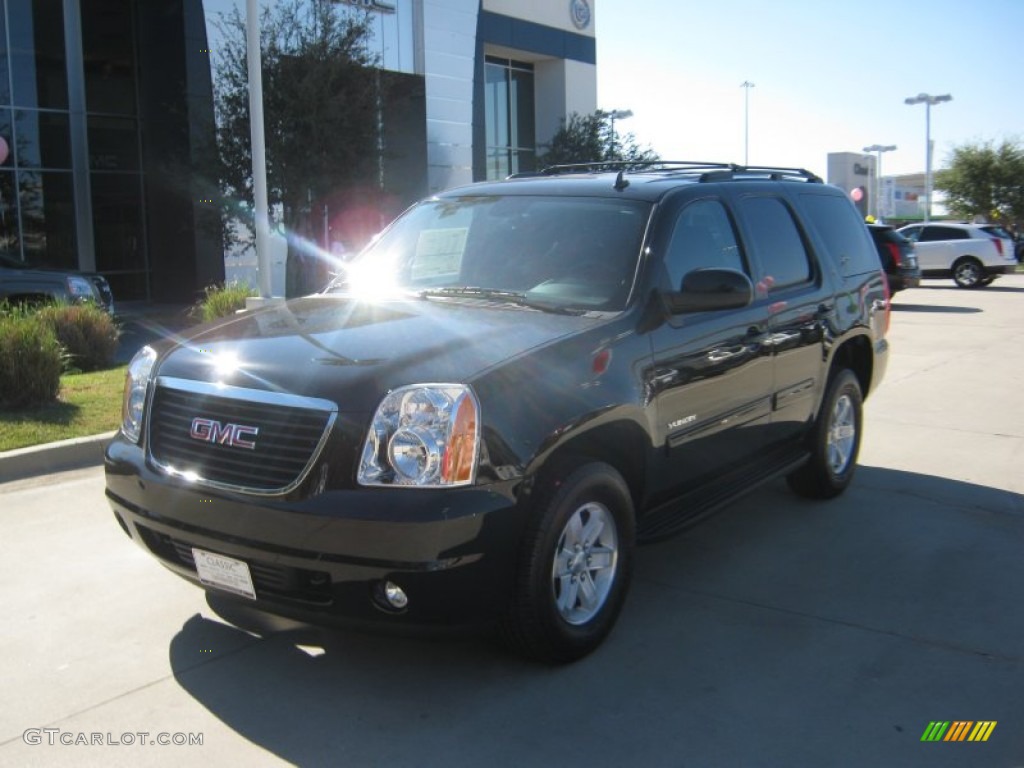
505,391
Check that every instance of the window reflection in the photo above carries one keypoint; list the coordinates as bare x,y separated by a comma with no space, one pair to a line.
9,243
43,139
509,117
109,57
117,221
37,64
113,144
5,84
7,134
47,218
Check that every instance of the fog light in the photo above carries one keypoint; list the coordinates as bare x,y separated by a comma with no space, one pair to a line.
395,595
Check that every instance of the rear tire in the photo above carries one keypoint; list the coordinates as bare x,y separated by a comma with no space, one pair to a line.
575,566
969,273
835,441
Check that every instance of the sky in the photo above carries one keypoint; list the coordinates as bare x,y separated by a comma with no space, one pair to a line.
829,76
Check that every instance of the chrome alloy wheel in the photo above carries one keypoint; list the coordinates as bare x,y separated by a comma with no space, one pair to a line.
585,563
968,274
842,434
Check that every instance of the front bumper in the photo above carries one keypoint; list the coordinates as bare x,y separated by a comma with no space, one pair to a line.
324,558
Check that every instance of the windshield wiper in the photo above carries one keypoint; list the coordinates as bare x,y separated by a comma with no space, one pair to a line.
512,297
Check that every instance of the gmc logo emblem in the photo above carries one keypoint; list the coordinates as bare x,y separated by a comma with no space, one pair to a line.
235,435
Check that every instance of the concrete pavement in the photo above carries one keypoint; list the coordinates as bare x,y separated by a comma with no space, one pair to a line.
780,632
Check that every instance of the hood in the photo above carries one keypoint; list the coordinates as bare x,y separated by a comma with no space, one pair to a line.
352,352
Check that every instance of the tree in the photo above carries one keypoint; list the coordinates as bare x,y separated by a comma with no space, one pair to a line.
321,96
985,180
591,138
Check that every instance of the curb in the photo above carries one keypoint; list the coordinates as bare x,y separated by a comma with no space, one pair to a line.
61,456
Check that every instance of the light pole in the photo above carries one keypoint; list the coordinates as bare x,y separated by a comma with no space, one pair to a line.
746,85
928,100
617,114
876,193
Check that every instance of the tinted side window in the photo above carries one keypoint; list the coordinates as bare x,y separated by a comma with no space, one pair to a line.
703,237
775,237
933,234
838,224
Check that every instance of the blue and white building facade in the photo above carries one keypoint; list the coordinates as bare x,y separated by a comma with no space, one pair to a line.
499,77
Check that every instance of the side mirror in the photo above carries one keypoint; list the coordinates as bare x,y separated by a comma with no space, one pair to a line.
707,290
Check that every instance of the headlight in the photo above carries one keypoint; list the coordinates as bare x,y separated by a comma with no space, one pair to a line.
80,288
136,382
425,435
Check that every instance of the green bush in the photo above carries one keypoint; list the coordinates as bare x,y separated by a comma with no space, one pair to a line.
87,333
30,361
222,301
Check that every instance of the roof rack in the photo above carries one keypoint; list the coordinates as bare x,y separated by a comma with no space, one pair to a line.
709,171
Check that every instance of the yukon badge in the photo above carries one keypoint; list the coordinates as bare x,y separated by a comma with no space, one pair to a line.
235,435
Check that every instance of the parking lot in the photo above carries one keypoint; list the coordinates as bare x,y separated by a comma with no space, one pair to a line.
781,632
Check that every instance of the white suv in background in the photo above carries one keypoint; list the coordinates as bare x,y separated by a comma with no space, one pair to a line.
972,254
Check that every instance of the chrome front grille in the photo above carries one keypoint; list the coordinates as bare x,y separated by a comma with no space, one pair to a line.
236,438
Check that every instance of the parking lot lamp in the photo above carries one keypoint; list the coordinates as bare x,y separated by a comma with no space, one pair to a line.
746,85
613,115
928,100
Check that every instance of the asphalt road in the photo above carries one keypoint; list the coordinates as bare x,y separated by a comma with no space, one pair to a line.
779,633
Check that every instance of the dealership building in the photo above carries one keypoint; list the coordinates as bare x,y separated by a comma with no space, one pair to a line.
107,130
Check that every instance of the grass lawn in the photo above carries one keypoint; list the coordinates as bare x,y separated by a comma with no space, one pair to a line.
89,404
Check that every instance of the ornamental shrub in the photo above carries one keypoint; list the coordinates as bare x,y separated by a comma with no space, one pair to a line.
30,361
87,333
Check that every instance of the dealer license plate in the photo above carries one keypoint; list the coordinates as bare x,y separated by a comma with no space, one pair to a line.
224,573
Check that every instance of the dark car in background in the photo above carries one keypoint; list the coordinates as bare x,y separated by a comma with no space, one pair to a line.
898,257
24,282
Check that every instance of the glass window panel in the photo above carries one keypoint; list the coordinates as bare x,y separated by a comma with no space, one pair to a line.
497,163
7,134
109,56
496,105
523,160
37,54
43,139
783,256
10,243
47,218
703,237
117,221
522,109
113,144
128,286
5,80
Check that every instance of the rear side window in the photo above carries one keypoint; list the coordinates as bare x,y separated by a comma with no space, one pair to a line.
936,234
995,231
703,237
839,225
774,234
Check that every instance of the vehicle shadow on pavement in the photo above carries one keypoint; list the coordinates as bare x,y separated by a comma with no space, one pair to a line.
937,308
784,627
954,288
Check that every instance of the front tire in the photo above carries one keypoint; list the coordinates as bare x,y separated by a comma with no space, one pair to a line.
968,273
575,566
835,441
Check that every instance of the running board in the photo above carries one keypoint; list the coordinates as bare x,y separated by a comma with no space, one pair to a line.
679,514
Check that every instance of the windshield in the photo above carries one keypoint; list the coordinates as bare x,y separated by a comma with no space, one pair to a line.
562,252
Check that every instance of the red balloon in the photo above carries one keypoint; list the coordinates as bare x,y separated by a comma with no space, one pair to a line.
4,150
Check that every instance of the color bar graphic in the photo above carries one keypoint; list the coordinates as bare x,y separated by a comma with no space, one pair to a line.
958,730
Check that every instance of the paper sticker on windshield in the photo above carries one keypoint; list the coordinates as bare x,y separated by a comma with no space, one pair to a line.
439,252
